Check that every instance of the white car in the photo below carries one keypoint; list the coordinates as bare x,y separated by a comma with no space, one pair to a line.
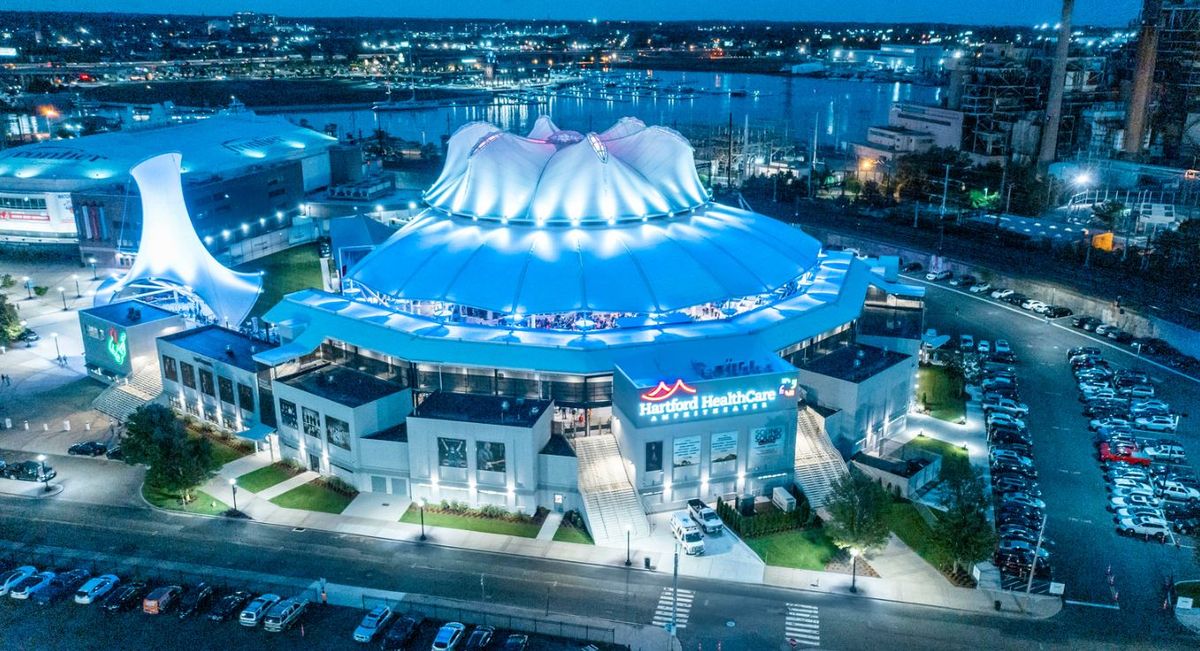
372,623
1002,346
966,343
1104,328
1137,512
25,588
1148,527
1141,391
1177,492
1130,484
1136,499
448,636
1165,453
1151,404
1009,456
96,588
12,577
1156,423
939,275
979,288
1111,423
1035,306
253,614
983,347
1023,499
1003,419
1007,406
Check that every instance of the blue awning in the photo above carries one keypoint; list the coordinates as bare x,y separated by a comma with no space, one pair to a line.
257,433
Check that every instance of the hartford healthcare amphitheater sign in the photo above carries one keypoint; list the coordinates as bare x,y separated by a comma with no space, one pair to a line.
673,400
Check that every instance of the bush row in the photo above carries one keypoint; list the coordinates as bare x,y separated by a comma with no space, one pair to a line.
762,524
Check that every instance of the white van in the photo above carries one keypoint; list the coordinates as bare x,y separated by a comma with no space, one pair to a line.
687,532
284,614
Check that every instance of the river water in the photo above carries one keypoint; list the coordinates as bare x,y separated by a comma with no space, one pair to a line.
841,109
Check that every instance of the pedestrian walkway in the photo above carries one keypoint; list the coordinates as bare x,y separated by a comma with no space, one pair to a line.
243,465
668,609
286,485
802,625
898,562
550,526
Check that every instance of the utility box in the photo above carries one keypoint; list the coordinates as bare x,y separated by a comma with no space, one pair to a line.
783,500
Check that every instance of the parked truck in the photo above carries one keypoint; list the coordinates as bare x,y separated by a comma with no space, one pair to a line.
705,516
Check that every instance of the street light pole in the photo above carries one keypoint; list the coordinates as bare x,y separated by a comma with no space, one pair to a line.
628,557
233,487
854,570
422,505
78,294
92,261
45,480
57,351
62,293
28,287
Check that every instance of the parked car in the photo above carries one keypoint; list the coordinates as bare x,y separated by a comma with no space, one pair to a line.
1165,452
194,600
228,605
1015,484
88,449
1132,499
401,633
448,637
1022,499
1057,311
284,615
1002,293
30,471
704,515
1146,527
373,622
1005,466
1156,423
11,578
96,588
516,642
480,638
1128,483
966,343
161,599
28,336
1082,350
1136,512
912,267
60,586
124,596
979,288
1033,305
983,347
1015,298
1007,406
115,453
252,614
1179,492
964,281
934,276
25,588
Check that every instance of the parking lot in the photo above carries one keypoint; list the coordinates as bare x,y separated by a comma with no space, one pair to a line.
1097,565
64,624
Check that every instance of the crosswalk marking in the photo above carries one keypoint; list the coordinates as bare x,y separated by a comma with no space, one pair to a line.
662,611
802,624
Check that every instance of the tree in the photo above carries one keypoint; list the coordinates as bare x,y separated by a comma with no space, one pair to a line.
963,533
155,436
10,321
857,505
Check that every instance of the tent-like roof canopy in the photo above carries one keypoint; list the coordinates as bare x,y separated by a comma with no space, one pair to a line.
628,172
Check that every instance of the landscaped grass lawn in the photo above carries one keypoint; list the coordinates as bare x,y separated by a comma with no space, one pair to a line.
201,503
1188,589
908,525
955,460
283,273
942,392
223,452
313,496
567,533
486,525
803,549
256,481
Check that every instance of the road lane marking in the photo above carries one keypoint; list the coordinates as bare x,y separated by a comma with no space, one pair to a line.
802,623
663,609
1090,604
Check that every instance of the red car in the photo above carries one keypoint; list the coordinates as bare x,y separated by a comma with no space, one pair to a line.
1122,454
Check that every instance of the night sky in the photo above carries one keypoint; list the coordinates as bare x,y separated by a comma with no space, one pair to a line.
1001,12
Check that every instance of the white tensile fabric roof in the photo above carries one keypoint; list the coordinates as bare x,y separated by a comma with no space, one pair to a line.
629,171
713,254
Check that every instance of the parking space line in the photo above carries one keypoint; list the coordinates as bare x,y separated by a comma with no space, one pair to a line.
1090,604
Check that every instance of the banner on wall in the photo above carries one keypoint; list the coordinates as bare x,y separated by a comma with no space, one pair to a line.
489,456
654,457
338,432
765,442
686,451
723,447
452,453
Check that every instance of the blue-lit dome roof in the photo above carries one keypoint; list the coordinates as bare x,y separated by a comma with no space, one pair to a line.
686,252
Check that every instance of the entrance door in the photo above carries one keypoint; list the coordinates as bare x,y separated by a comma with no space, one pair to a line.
314,463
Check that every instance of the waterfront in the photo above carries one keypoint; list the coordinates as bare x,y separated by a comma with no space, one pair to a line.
842,109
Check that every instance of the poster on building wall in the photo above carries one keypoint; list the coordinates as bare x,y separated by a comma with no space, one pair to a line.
723,447
452,453
312,422
338,432
489,456
686,451
287,414
765,442
654,456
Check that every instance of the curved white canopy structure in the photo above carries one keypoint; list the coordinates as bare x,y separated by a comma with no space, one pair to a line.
170,253
629,172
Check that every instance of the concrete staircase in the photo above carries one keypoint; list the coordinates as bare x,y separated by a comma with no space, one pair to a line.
122,399
611,505
818,463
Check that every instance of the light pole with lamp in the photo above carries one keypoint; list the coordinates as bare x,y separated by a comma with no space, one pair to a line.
92,261
57,351
62,293
78,294
421,503
233,487
28,286
854,569
42,466
628,556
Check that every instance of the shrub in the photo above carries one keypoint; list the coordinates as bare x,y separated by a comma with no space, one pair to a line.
7,281
339,485
40,290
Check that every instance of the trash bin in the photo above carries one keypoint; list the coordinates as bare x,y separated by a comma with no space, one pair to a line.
646,562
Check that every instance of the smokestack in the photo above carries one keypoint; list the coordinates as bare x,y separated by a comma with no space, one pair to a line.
1143,78
1058,78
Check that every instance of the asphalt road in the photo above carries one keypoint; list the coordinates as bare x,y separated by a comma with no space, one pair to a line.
1086,544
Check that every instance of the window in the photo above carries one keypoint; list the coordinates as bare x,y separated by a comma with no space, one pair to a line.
169,370
189,375
287,414
245,397
225,386
206,383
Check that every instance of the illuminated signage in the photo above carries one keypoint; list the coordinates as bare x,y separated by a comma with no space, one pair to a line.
677,399
118,349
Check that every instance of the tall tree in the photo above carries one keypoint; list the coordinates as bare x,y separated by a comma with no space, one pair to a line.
858,505
10,321
177,462
963,532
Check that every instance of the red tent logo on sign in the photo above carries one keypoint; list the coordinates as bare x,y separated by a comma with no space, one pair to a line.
665,391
